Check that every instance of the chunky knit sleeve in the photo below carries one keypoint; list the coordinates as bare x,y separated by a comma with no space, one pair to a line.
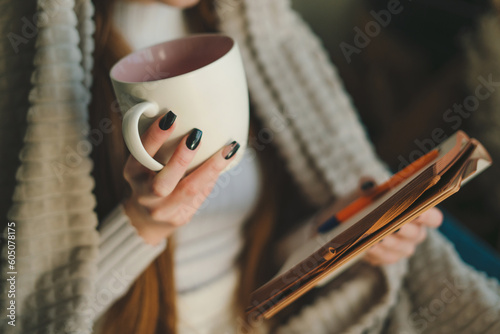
123,256
45,97
447,295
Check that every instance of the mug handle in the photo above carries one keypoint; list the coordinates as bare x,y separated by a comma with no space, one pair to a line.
130,128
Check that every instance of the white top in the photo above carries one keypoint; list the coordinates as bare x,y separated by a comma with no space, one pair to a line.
206,247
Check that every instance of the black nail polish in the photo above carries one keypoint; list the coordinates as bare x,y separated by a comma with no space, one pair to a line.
167,120
397,230
193,139
367,185
234,149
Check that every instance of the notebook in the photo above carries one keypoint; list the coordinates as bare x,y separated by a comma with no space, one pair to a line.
426,182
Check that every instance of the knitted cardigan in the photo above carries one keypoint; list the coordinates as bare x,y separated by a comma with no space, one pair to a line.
64,267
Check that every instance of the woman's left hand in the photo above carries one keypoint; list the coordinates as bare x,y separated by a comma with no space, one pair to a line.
402,244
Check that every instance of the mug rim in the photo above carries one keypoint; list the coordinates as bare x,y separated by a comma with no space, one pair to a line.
136,52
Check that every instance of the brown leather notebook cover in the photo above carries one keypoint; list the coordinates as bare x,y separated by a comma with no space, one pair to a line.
458,160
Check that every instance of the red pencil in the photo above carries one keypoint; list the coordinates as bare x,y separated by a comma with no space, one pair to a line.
365,200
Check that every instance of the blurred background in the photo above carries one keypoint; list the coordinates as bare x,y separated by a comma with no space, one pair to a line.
409,78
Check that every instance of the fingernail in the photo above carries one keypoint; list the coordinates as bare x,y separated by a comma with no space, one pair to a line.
194,139
397,230
367,185
167,120
231,150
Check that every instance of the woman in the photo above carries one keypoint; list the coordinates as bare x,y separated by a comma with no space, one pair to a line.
157,201
326,154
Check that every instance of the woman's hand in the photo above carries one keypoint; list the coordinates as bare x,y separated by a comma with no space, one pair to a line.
165,200
402,244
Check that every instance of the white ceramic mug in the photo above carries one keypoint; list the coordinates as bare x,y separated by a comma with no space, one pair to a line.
201,79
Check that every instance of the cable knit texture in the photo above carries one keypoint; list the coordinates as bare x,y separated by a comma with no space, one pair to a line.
56,239
68,273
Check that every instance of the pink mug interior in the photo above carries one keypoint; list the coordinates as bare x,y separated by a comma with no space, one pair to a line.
172,58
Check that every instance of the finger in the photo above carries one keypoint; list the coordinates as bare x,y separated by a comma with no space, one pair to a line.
368,257
402,247
202,180
154,137
192,191
431,218
167,179
377,255
390,252
375,258
410,231
176,214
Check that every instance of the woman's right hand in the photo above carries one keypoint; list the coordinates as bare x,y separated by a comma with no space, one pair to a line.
165,200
